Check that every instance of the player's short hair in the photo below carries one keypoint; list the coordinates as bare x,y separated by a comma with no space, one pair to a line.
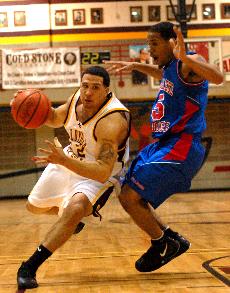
165,29
99,71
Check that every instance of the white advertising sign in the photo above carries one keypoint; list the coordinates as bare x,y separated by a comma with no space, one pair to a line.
41,68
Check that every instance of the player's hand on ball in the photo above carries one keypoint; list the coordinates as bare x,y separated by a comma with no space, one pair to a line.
30,108
19,92
54,154
14,97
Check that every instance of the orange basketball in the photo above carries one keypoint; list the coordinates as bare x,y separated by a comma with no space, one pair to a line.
30,108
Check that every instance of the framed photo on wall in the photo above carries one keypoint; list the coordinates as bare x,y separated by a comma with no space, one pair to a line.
208,11
96,15
19,18
136,13
60,17
140,54
188,11
78,16
170,15
3,19
225,10
154,13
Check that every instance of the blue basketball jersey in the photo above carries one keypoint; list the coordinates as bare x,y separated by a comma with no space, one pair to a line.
179,107
168,165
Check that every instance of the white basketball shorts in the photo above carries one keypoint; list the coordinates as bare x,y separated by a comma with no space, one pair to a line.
57,185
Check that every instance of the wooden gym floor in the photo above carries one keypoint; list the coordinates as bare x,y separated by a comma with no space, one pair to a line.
101,258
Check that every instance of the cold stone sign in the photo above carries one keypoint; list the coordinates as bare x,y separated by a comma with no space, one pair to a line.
39,68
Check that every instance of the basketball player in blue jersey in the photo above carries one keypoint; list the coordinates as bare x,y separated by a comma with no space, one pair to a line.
168,165
79,179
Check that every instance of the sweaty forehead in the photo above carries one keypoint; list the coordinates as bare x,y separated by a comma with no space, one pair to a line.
92,79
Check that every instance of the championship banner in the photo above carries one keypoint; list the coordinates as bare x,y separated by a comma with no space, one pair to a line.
41,68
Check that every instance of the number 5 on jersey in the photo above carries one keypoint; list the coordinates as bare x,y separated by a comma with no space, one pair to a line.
159,109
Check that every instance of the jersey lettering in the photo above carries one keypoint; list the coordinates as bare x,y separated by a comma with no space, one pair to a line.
160,126
78,139
167,86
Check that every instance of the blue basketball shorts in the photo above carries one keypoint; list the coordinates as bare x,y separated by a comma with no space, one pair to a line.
165,168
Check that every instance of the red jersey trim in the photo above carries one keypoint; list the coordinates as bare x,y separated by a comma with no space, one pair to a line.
190,109
181,149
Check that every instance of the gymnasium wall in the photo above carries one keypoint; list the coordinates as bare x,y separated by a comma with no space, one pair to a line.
115,33
18,145
115,14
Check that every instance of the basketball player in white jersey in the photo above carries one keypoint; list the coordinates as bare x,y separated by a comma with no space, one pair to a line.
81,175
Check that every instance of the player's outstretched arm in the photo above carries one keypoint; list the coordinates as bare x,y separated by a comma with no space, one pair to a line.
203,69
57,115
117,66
195,63
110,133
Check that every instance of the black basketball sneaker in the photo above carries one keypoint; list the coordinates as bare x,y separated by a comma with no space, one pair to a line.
160,252
184,243
25,278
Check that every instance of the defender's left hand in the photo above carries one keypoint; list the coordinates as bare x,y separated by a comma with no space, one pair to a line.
53,155
178,45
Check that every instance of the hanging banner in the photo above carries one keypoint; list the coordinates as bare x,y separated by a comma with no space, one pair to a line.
41,68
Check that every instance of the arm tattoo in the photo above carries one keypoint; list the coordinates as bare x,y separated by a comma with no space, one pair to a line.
201,59
106,152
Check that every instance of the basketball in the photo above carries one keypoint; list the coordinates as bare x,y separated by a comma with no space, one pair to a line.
30,108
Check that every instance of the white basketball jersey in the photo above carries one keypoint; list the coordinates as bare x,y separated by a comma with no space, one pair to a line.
82,135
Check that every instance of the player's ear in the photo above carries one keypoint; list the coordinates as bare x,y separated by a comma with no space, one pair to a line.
107,90
172,43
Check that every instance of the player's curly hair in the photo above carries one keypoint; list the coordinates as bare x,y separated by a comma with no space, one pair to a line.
165,29
99,71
